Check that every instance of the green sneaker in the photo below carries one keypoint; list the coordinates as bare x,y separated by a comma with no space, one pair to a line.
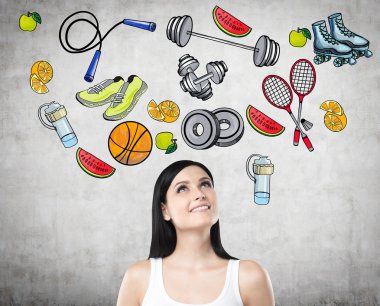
125,100
101,93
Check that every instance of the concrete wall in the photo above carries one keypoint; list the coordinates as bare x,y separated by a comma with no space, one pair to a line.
67,238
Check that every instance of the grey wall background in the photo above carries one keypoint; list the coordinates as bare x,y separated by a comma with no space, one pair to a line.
67,238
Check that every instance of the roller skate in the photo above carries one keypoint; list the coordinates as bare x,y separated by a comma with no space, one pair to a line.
339,32
325,46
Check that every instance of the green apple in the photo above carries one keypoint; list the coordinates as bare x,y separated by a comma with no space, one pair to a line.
164,140
298,38
29,22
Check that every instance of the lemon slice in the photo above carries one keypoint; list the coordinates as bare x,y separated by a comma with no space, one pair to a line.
335,123
332,106
154,111
37,86
170,110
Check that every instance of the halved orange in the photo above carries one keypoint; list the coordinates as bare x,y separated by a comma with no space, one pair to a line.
154,111
334,122
332,106
43,70
170,110
37,85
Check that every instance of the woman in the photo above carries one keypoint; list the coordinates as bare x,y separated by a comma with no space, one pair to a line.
188,265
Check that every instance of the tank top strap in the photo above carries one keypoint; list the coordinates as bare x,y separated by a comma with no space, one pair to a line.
234,278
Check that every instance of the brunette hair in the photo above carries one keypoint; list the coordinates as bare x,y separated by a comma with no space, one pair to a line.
164,237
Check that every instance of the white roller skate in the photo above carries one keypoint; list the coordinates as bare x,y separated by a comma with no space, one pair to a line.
338,31
325,47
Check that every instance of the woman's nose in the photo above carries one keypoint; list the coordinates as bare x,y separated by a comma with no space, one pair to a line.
200,195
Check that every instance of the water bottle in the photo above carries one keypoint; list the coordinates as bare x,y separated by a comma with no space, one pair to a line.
262,170
56,116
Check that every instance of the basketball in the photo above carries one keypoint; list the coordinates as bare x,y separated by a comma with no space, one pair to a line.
130,143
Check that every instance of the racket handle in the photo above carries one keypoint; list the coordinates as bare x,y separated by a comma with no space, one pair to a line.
307,142
296,138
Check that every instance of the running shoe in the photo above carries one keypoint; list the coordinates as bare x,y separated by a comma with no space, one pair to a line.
126,98
101,93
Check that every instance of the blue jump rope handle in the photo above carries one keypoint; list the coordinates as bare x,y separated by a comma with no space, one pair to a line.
89,77
145,25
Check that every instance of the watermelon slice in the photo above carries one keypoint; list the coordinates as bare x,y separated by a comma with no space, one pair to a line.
262,123
93,165
229,24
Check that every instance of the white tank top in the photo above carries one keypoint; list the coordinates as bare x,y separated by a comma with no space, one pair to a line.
156,294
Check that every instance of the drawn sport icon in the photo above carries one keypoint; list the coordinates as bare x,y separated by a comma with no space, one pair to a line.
63,38
302,79
130,143
278,93
265,53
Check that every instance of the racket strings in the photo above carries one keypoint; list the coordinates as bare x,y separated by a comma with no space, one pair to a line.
277,92
302,78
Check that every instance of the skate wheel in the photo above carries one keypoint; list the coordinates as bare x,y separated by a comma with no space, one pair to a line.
338,62
356,54
327,58
318,59
368,53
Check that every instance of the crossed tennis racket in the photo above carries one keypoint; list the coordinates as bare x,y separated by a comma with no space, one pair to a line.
278,93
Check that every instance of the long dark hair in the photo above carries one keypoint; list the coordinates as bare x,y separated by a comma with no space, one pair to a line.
164,237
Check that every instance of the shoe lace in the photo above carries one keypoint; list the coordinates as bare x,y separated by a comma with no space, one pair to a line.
343,29
98,87
327,36
117,99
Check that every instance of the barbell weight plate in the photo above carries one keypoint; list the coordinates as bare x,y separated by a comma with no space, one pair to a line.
275,53
182,36
235,130
210,133
278,54
272,50
169,28
262,50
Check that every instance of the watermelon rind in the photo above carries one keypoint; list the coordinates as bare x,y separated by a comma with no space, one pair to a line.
87,170
258,129
222,27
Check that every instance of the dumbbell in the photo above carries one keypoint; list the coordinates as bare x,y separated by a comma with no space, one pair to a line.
215,71
265,53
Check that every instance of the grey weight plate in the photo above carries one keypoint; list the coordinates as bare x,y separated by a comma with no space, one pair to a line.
172,28
210,125
187,63
262,44
272,50
181,36
277,55
187,83
235,130
274,53
218,69
169,28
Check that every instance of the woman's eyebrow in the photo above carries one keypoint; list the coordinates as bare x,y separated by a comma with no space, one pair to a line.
182,182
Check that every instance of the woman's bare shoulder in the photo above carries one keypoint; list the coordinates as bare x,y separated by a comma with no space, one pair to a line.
135,284
255,284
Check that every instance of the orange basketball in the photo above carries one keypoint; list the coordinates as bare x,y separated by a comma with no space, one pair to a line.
130,143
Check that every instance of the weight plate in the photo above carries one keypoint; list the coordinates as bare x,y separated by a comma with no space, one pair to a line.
185,25
260,56
277,55
173,27
272,50
187,63
210,125
274,53
235,130
169,27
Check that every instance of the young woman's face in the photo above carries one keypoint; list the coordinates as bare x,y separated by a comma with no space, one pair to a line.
191,200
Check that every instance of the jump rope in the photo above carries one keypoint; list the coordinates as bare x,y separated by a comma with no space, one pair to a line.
89,76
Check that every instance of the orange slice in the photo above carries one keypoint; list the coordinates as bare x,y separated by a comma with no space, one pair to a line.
332,106
170,110
43,70
334,122
154,111
38,86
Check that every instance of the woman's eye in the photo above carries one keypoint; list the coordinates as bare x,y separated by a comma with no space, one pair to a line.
206,184
181,189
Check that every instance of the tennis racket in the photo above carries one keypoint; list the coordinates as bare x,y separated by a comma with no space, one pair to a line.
302,79
278,93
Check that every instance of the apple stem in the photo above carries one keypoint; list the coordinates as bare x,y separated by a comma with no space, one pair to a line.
299,29
29,14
